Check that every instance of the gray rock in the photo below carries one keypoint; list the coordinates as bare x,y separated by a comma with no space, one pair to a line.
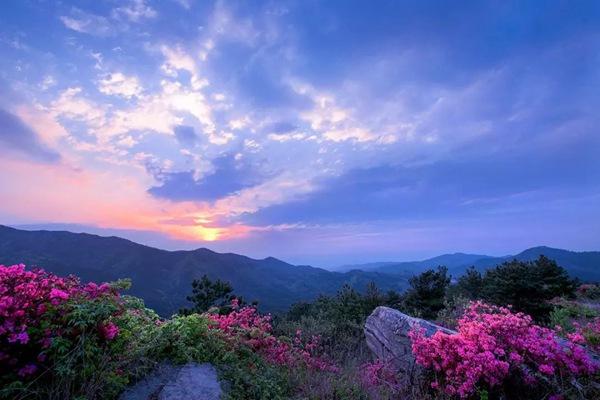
386,331
167,382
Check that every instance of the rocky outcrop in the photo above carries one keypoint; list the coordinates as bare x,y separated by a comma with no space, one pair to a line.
387,331
187,382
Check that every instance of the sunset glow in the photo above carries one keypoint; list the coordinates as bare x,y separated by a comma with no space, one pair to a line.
290,129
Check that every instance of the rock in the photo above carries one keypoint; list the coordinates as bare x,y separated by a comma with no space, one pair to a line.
191,381
387,331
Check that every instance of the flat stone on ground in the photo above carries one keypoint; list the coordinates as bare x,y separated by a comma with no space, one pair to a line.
191,381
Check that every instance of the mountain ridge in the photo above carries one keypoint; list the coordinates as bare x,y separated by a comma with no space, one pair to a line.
582,264
163,278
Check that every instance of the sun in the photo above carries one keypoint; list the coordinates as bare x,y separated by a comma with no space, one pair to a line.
204,233
209,234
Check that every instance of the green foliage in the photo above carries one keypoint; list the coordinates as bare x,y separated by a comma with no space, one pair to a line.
589,292
90,368
566,313
207,294
425,298
527,286
454,308
188,338
338,320
84,365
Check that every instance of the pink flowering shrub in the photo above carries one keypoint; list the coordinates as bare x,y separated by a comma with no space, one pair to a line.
494,344
36,309
246,326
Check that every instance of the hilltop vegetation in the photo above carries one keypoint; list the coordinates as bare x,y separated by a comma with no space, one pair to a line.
582,265
62,339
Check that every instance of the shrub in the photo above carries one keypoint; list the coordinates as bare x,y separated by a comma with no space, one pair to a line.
56,335
245,326
338,320
589,291
493,345
568,313
194,337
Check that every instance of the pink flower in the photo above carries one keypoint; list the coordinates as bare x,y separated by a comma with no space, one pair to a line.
246,326
27,370
21,337
26,317
490,343
58,294
109,331
546,369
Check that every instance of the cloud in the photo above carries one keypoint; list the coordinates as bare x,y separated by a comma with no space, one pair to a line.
334,123
229,175
71,104
177,59
469,187
120,85
187,4
48,82
284,137
135,11
185,135
17,136
91,24
159,112
432,113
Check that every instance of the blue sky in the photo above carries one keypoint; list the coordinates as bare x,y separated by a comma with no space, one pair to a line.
321,132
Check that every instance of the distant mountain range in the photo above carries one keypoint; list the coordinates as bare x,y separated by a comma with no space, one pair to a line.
584,265
163,278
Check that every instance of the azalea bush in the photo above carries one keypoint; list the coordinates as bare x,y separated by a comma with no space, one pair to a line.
247,327
53,332
496,348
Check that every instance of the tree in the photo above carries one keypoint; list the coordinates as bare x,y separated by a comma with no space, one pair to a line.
427,292
372,298
527,286
469,285
207,294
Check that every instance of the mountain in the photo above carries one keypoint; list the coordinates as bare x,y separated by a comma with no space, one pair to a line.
584,265
412,267
163,278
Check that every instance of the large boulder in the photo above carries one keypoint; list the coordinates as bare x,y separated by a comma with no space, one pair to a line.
387,331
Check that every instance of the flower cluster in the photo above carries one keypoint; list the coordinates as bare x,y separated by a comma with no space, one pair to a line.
33,305
587,334
379,373
247,326
492,344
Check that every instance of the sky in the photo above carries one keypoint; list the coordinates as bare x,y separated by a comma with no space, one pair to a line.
319,132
